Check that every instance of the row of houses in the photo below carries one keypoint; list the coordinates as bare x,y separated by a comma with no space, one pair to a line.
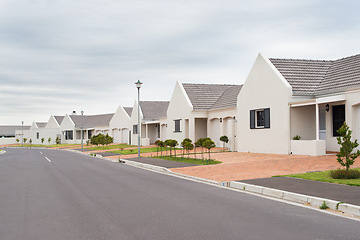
280,99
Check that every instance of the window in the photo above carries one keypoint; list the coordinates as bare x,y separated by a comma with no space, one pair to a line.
37,135
260,118
135,129
177,125
158,130
89,134
338,118
69,135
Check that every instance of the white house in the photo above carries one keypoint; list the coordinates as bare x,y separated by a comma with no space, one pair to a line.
153,121
71,125
9,133
283,98
120,125
203,110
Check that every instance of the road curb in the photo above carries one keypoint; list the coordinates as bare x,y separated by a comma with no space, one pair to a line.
295,197
2,152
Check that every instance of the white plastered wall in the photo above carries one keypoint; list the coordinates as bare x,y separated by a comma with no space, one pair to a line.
216,129
120,124
264,87
180,107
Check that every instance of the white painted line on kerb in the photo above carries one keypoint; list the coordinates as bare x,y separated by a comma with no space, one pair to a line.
48,159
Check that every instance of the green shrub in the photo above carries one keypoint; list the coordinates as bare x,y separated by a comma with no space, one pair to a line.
324,206
345,174
297,137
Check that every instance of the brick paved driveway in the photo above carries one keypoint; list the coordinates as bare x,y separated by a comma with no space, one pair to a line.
240,166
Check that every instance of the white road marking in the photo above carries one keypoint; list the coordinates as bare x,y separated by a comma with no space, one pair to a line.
47,159
41,152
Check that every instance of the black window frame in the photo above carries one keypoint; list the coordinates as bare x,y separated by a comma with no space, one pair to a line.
135,129
338,118
37,135
177,124
69,135
254,123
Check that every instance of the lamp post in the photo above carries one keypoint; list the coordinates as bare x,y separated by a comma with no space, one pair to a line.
82,146
22,133
138,85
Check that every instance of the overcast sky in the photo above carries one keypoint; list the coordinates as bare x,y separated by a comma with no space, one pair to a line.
65,55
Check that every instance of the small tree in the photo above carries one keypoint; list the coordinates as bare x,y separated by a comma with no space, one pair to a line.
30,142
57,140
346,157
199,143
168,143
25,139
173,143
17,140
161,144
183,143
188,146
42,140
49,140
224,139
209,144
157,147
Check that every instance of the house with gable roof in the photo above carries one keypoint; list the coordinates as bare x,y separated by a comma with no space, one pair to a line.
284,98
203,110
120,125
153,122
71,126
39,130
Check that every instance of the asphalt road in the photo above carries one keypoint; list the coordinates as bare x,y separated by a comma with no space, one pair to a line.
55,194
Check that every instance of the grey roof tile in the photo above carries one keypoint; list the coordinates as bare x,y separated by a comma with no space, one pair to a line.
91,120
154,109
211,96
314,77
128,110
59,119
41,124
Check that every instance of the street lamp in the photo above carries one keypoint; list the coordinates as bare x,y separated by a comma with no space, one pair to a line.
22,133
82,144
138,85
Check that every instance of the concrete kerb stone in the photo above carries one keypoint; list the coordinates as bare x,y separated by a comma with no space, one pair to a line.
295,197
2,152
349,208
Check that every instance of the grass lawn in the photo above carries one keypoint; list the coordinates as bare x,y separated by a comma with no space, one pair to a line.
142,150
190,160
117,146
325,177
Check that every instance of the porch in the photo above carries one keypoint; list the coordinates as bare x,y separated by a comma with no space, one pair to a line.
313,125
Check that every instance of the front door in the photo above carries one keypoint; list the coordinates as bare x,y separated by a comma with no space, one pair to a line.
322,123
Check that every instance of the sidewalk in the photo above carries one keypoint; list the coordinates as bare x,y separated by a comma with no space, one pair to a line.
242,166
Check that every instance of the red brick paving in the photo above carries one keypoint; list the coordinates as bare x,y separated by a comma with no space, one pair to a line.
241,166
